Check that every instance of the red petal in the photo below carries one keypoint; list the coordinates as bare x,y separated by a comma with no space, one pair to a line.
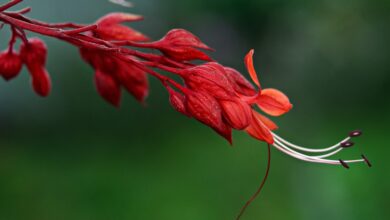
257,129
108,88
273,102
270,124
251,69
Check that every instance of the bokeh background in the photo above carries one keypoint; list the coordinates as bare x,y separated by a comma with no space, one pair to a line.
72,156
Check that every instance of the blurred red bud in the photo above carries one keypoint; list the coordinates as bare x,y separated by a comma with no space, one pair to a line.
40,80
34,52
133,79
10,64
107,87
110,27
99,60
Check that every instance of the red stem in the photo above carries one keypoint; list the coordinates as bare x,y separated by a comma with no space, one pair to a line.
12,40
9,5
253,197
81,30
19,12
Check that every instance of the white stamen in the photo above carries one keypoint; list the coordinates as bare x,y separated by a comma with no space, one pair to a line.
315,159
310,149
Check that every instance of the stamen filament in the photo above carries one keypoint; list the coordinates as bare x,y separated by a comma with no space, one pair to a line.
280,146
310,149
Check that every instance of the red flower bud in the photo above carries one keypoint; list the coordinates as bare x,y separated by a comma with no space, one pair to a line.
240,84
207,110
181,38
109,28
182,45
10,65
34,53
40,80
108,87
237,113
133,79
177,101
185,54
210,77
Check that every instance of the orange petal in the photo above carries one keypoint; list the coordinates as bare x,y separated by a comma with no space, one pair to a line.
257,129
273,102
270,124
251,69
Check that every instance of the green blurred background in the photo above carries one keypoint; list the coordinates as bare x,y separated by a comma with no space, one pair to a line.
72,156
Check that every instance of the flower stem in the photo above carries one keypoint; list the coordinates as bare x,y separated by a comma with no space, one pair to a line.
254,196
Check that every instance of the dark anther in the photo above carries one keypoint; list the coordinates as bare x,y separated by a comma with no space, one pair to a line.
344,164
367,161
355,133
347,144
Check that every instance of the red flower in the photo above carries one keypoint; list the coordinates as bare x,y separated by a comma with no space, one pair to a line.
10,64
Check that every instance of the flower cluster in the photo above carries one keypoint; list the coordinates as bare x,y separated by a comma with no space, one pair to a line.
215,95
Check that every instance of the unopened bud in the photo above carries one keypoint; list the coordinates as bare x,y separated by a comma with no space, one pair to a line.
34,52
10,65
